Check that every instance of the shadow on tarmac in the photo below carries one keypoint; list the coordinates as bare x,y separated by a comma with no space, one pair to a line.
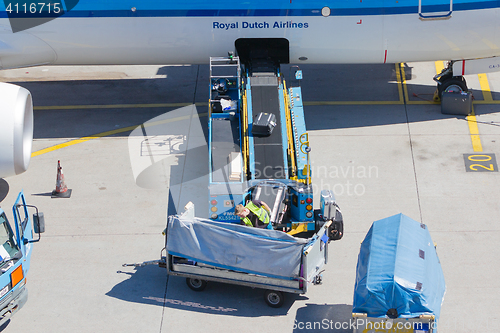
4,189
320,318
151,285
47,194
145,285
224,299
188,84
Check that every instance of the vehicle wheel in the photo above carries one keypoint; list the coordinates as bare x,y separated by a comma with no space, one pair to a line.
336,230
274,298
452,84
196,284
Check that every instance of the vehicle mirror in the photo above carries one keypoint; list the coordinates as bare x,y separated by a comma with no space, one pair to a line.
39,223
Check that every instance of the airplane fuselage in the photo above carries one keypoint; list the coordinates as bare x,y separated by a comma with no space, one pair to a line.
160,32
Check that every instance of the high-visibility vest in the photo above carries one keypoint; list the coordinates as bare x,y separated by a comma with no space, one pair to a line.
261,213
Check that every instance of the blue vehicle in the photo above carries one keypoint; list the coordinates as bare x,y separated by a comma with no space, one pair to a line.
15,255
273,167
400,284
245,165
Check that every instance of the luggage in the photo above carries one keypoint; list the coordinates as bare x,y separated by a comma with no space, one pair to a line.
456,103
330,211
263,124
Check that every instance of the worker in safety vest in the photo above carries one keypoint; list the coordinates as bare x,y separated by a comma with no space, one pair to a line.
255,214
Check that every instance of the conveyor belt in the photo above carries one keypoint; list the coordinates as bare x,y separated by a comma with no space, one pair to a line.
225,140
268,151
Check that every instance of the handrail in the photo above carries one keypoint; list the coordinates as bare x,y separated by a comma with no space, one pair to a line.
305,150
434,17
291,146
244,133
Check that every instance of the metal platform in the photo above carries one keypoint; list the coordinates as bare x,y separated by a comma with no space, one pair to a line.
225,140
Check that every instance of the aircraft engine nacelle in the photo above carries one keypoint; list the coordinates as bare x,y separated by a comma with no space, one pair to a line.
16,129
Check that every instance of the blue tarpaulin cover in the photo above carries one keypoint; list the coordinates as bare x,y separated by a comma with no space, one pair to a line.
236,247
398,268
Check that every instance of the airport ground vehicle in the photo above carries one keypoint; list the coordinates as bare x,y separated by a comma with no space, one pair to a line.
399,281
15,255
204,250
245,166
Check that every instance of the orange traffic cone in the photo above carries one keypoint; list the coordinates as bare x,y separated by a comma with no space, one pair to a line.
61,190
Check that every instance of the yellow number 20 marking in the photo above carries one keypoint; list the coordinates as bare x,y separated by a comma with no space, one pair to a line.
480,163
490,168
479,158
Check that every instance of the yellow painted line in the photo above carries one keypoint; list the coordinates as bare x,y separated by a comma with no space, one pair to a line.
400,80
108,133
116,106
403,81
352,103
439,66
422,102
81,140
474,132
173,105
471,119
402,90
485,87
486,102
400,83
404,86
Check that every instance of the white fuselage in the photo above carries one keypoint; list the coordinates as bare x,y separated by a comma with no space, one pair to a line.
320,40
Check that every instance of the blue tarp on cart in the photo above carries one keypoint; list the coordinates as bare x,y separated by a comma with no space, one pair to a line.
398,268
235,247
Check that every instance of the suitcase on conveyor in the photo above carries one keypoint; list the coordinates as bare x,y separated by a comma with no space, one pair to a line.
263,124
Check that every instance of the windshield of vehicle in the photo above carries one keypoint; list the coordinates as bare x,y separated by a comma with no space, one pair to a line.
8,245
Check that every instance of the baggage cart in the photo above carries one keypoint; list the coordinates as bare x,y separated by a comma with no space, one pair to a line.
399,281
203,250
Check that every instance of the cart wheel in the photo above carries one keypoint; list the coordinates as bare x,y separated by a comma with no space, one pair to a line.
196,284
274,298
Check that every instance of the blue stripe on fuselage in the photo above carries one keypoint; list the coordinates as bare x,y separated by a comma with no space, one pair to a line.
338,9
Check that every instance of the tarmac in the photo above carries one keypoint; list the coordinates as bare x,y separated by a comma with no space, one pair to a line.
378,141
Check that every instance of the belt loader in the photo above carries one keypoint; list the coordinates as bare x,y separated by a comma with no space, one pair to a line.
273,167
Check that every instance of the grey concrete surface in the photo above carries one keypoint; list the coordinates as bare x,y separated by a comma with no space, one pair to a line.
380,160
